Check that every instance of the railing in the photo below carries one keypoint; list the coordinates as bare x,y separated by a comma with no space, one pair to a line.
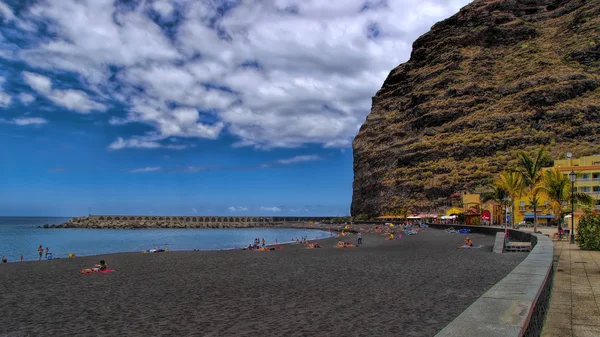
588,179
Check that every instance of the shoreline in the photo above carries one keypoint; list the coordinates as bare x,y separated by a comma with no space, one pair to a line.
63,256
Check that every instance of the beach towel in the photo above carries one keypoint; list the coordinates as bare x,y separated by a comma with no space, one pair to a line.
474,247
90,271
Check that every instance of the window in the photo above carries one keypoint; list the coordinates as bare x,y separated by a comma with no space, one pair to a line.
595,175
596,189
585,176
585,189
522,206
596,163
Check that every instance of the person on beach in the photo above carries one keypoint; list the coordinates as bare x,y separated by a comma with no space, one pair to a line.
359,238
263,242
40,252
47,251
21,257
4,259
468,243
102,265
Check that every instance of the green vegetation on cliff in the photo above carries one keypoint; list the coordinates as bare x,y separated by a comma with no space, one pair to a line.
498,77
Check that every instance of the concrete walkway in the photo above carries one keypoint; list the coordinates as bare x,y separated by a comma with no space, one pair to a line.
575,302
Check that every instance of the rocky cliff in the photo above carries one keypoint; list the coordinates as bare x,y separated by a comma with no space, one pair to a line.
498,77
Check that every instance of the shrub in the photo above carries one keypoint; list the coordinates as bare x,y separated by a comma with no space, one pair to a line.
588,232
476,221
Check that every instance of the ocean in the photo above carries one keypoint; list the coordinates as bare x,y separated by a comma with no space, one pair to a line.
20,235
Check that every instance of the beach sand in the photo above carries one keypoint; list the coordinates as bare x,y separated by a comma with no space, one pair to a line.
409,287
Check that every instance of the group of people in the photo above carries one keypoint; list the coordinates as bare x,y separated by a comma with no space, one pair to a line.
258,243
40,253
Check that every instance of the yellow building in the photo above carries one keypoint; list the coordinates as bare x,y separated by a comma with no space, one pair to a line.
587,170
588,177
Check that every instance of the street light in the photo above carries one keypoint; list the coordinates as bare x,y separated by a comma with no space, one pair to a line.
573,177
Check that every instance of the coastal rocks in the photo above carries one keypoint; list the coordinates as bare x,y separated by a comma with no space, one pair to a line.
498,77
142,224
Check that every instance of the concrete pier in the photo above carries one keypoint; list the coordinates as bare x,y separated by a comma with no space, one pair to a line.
166,221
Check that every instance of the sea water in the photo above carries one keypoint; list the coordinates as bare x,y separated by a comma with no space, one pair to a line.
20,235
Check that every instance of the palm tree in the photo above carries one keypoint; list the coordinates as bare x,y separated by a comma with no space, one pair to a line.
512,183
497,194
531,172
556,187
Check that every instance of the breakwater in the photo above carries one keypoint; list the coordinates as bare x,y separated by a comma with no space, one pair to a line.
151,221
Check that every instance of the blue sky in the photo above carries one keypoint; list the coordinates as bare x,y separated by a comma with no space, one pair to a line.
183,107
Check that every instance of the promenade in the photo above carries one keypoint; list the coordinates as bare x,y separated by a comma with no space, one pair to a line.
575,302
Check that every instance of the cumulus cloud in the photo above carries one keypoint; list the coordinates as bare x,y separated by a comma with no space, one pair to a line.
25,121
272,73
146,169
143,143
5,99
71,99
238,209
26,98
270,209
299,159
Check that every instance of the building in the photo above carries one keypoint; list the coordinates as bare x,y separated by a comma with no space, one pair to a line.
588,177
587,170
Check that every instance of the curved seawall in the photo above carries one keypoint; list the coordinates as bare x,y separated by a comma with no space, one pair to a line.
515,306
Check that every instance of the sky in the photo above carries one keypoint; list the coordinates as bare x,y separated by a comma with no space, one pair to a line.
208,107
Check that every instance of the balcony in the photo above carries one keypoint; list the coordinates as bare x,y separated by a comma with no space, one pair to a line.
597,207
588,179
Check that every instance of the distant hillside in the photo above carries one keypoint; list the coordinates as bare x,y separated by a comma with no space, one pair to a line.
497,77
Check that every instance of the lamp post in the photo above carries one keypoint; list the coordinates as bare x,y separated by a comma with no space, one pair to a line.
573,177
506,199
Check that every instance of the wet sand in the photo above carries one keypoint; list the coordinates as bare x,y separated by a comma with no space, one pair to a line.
408,287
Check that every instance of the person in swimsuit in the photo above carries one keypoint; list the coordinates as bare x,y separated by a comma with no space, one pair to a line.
40,252
4,260
102,265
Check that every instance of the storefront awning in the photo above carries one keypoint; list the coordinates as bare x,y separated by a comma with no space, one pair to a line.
529,215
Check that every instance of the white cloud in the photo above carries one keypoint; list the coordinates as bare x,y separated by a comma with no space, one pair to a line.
25,121
29,121
308,76
149,142
75,100
6,12
194,210
299,159
270,209
5,99
146,169
237,209
232,209
26,98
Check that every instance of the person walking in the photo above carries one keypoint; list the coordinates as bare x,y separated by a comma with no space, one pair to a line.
47,251
40,252
359,238
21,257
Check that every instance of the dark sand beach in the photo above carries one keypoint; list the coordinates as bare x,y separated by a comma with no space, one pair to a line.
409,287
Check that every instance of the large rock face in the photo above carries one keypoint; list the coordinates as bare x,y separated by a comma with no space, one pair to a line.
498,77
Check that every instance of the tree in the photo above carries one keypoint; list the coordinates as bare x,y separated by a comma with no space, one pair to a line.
512,183
531,172
556,187
497,194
